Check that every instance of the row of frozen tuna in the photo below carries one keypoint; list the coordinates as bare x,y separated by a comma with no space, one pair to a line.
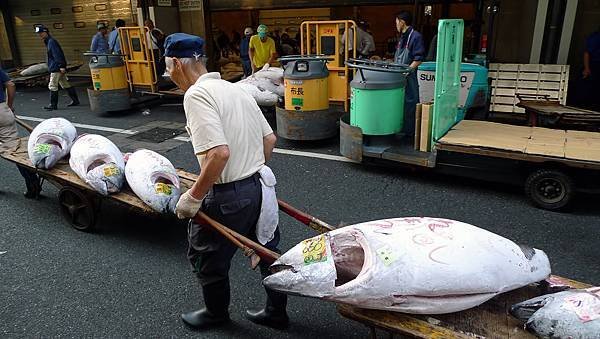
100,163
410,265
265,86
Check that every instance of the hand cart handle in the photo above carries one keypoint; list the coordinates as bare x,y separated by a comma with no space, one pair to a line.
378,66
310,57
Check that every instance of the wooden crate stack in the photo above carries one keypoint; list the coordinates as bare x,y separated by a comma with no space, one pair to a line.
531,80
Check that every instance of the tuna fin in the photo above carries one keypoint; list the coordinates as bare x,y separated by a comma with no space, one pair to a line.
527,251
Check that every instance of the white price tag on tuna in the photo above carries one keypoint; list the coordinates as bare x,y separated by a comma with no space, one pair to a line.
387,255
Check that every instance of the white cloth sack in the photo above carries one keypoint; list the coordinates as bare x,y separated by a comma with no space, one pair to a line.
269,210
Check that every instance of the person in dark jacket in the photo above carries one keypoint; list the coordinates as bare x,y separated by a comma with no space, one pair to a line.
244,47
410,51
57,66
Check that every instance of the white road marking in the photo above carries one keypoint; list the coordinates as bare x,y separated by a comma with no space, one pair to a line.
92,127
187,139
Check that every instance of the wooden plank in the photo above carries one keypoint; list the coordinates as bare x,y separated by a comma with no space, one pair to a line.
506,108
398,322
527,84
488,320
504,100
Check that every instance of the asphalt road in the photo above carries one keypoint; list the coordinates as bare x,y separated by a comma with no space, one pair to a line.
132,279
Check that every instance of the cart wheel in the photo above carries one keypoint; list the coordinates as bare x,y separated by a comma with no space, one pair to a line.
77,208
549,189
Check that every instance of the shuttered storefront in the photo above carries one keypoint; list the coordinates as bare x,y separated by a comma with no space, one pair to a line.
72,23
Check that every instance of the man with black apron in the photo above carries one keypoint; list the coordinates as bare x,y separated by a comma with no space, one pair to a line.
409,51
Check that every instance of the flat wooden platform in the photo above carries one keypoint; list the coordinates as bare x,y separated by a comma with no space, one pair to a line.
62,175
489,320
17,78
536,144
558,112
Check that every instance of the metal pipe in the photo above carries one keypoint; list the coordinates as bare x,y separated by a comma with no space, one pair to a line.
554,30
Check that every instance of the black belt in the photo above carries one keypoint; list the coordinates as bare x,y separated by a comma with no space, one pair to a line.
253,179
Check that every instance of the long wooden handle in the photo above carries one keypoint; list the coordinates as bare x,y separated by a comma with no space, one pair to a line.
24,124
305,218
248,246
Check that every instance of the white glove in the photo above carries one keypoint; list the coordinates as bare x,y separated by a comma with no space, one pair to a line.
187,206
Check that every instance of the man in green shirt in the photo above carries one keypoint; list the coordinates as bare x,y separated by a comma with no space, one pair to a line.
262,49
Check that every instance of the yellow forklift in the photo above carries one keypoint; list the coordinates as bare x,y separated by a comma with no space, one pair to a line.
316,82
119,80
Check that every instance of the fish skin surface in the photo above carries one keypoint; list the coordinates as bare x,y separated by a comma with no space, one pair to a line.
411,265
98,162
153,179
572,314
50,141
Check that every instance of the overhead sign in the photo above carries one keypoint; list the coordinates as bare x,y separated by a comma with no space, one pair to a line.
190,5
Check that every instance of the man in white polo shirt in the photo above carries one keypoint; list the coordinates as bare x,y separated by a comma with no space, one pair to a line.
232,141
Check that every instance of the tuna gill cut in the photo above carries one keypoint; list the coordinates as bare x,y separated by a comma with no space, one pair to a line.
50,141
153,179
412,265
573,314
98,162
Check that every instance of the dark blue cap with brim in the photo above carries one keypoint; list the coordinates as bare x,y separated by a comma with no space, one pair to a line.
182,45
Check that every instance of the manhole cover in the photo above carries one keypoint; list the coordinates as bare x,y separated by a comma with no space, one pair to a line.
157,134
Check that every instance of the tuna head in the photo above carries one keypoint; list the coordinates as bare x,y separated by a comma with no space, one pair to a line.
48,150
105,178
153,179
570,314
313,269
165,192
50,141
524,310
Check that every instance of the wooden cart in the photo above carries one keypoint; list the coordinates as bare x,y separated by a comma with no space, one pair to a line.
37,79
551,113
489,320
79,203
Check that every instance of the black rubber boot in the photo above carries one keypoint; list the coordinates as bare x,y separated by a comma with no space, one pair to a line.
53,101
274,314
32,182
73,95
216,307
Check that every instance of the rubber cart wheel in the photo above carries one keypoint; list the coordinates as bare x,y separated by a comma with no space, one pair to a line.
77,208
549,189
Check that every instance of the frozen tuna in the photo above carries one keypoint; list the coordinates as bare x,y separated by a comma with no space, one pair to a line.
573,314
153,179
411,265
50,141
98,162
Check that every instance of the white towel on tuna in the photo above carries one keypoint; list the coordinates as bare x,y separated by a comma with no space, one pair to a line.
269,210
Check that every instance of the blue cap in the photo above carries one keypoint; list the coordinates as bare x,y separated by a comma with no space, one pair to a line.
182,45
41,28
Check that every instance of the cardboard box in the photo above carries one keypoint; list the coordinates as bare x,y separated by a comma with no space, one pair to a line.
426,113
418,127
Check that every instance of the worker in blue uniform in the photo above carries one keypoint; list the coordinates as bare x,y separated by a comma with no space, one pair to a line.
114,41
57,66
100,40
409,51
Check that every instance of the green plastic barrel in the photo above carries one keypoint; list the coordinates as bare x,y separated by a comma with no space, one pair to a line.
377,102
